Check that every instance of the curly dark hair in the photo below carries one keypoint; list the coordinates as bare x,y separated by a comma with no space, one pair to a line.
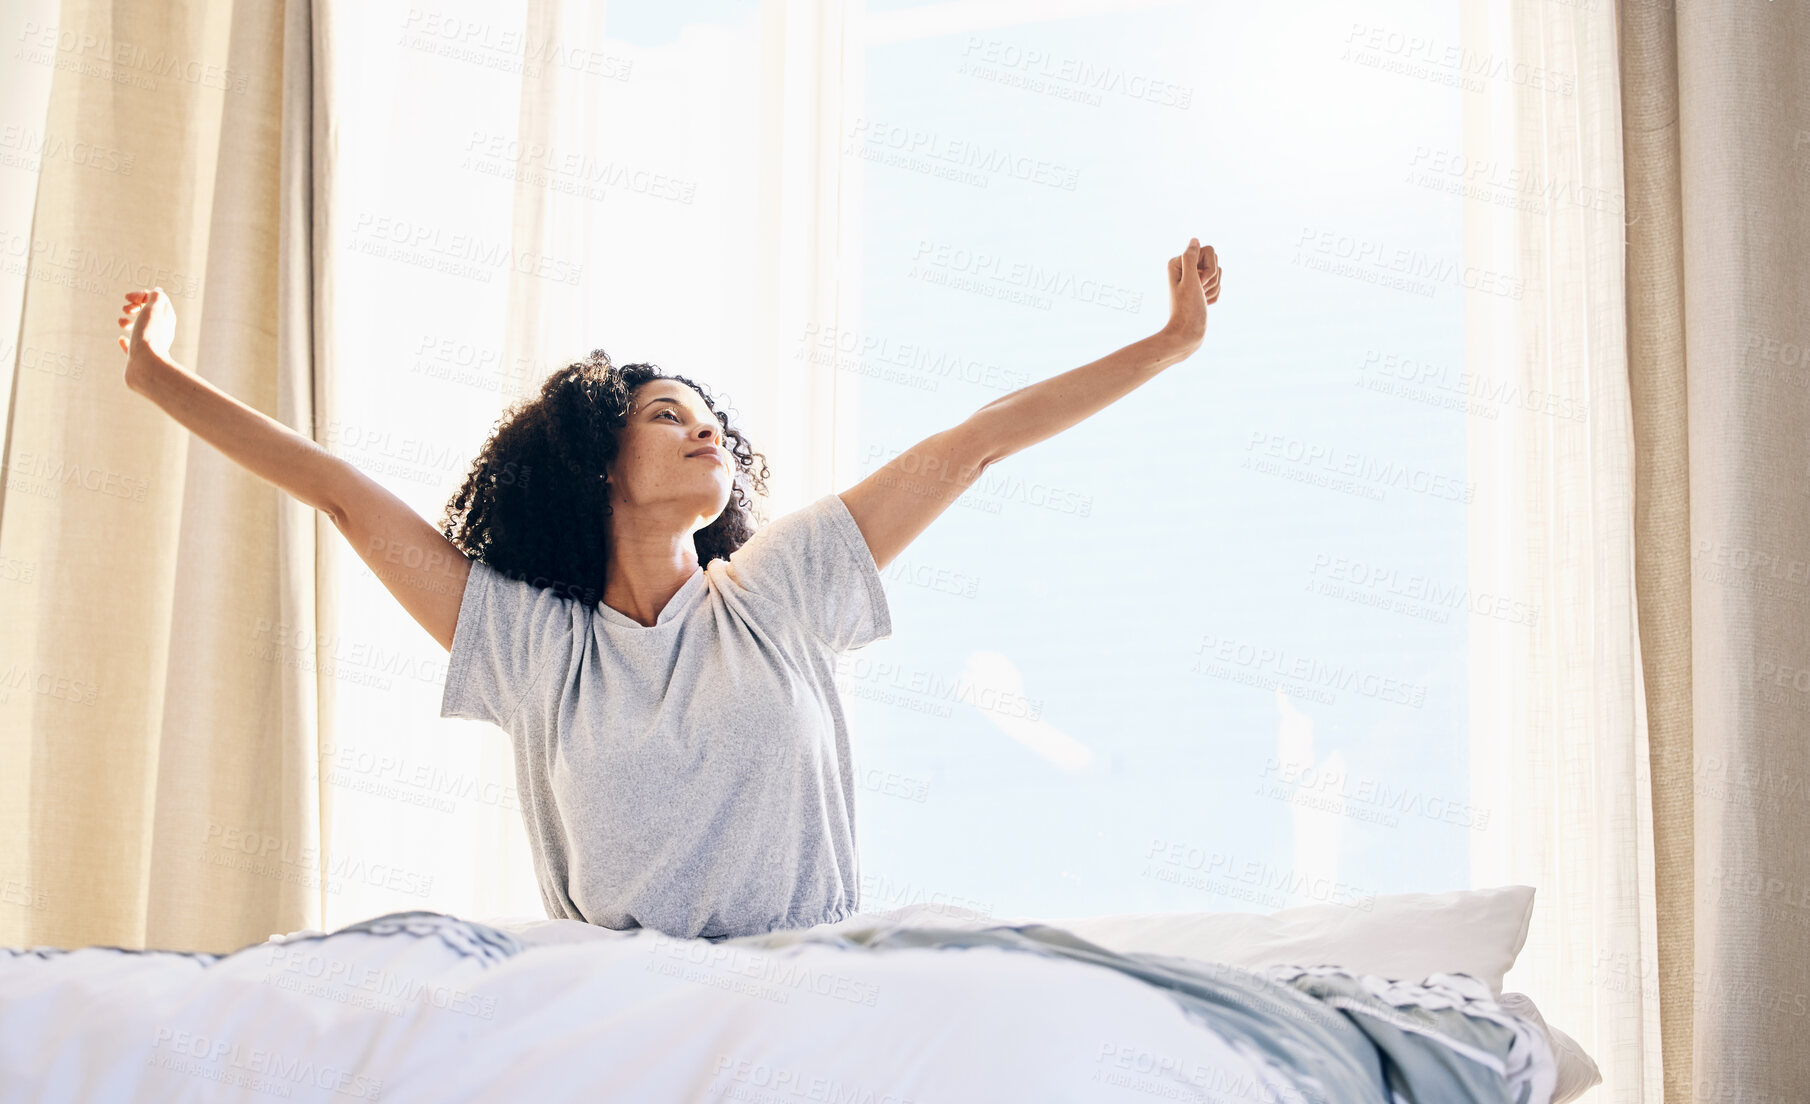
534,504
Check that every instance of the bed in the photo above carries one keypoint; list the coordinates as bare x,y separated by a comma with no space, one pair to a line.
916,1004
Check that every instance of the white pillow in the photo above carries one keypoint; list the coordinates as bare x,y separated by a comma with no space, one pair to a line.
1577,1070
1403,936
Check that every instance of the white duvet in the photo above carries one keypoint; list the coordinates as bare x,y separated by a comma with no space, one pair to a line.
423,1013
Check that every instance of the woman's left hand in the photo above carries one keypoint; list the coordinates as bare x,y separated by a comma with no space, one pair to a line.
1193,284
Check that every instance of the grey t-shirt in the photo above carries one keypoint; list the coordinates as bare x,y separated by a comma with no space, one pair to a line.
690,776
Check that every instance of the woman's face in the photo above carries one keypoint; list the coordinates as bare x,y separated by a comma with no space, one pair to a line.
671,452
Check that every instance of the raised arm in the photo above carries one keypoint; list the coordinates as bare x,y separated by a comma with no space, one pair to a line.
899,501
420,567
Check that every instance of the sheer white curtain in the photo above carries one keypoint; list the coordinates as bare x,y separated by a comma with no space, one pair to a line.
1558,721
522,183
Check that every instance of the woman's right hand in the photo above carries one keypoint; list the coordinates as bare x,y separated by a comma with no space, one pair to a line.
147,346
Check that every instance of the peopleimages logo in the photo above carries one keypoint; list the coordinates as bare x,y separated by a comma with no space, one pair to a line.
1359,466
1218,656
272,854
1373,794
231,1061
300,962
1247,879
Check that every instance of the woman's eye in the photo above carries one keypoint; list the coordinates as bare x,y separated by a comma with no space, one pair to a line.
675,417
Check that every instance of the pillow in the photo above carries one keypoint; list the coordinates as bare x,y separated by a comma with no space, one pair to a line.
1403,936
1577,1070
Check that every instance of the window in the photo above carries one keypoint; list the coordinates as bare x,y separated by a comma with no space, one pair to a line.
1206,650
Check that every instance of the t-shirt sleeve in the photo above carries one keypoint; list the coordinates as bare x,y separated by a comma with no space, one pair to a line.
508,634
815,563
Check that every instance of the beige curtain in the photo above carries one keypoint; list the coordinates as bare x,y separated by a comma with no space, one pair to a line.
159,719
1716,111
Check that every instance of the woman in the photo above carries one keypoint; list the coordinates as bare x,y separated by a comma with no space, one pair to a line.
664,671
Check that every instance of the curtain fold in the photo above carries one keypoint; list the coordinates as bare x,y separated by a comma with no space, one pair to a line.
1717,117
1656,380
1557,718
808,247
162,708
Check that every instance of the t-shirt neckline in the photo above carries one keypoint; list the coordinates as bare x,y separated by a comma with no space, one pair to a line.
675,607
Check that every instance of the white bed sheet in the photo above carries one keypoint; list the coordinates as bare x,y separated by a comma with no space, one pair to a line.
588,1014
